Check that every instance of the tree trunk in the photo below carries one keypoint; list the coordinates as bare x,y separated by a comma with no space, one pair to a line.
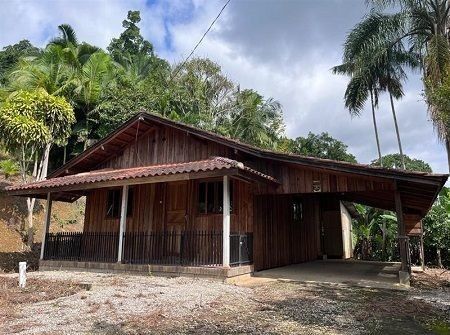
380,160
383,246
447,148
30,232
397,132
38,174
45,158
439,258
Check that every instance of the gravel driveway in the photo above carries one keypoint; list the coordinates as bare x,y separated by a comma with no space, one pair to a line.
126,304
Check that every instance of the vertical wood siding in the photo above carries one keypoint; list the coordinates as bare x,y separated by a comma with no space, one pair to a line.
165,145
278,240
163,206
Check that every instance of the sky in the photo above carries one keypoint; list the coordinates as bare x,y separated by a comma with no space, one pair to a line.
284,49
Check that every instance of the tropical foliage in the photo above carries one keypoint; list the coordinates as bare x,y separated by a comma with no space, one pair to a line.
437,229
394,161
31,123
397,35
318,145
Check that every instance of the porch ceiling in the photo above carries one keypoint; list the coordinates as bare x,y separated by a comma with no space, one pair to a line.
69,188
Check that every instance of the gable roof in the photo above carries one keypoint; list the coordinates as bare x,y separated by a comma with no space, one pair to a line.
117,140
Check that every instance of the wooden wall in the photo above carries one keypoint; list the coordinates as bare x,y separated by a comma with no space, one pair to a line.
332,228
278,240
169,206
298,179
164,145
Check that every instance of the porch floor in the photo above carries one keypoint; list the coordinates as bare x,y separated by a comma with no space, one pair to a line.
350,272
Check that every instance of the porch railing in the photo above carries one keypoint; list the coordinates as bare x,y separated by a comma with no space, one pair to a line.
187,248
74,246
241,249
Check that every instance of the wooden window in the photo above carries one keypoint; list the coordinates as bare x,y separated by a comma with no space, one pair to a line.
210,197
297,210
114,203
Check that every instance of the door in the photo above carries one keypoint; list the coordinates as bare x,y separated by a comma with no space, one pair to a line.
176,200
332,234
176,218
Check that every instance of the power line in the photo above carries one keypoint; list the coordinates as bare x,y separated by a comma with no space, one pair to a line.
200,41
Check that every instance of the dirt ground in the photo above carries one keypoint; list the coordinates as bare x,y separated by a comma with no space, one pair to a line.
88,303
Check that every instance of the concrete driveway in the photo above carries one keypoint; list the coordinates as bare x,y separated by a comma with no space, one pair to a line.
350,272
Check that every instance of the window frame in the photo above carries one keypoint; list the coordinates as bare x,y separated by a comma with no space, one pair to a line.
297,210
217,207
116,211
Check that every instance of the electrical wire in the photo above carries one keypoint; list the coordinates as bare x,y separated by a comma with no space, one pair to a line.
199,42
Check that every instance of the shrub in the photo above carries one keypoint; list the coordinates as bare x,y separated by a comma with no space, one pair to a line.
9,168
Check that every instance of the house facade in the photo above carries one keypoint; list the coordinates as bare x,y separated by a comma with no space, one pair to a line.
175,198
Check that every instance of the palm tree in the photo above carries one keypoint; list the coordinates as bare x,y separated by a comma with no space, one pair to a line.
385,59
255,120
88,83
91,71
362,85
422,26
390,80
67,36
48,72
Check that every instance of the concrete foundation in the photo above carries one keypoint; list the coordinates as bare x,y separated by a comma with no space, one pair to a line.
404,278
349,272
221,273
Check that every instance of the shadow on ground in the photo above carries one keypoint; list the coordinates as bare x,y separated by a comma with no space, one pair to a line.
9,261
296,308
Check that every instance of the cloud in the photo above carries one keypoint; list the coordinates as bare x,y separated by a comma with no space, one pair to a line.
282,49
285,50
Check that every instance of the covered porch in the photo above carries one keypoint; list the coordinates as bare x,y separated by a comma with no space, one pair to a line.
187,215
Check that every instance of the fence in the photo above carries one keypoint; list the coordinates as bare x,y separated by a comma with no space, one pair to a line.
91,247
188,248
241,249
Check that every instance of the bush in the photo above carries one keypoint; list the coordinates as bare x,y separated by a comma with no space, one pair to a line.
9,168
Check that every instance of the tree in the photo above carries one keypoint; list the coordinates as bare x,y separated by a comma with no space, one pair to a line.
393,161
256,120
89,83
422,27
130,43
201,94
387,63
47,71
11,54
437,225
31,123
320,145
67,37
374,230
362,85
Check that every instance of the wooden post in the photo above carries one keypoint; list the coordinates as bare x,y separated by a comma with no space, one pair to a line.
226,222
422,250
22,274
123,221
402,240
48,215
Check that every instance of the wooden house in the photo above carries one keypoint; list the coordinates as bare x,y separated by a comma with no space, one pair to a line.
165,196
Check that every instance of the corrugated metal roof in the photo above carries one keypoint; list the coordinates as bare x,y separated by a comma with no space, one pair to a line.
214,163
